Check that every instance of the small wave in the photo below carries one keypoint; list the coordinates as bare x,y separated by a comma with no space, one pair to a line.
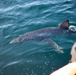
9,64
12,63
2,10
5,26
35,3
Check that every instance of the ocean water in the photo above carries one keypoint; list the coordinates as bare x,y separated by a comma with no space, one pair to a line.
33,57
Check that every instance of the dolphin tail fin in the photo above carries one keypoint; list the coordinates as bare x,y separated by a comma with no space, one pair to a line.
54,44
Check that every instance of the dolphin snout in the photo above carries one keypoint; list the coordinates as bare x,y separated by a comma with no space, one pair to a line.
16,40
13,41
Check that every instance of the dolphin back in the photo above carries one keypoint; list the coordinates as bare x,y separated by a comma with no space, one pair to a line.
37,34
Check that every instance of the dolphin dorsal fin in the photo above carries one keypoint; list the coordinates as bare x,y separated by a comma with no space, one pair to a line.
64,24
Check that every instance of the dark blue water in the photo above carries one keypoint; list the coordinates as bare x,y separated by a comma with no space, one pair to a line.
33,57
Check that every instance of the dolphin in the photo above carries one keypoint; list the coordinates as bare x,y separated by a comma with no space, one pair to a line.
45,34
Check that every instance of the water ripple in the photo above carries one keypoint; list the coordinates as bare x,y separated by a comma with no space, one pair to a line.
5,26
10,64
20,16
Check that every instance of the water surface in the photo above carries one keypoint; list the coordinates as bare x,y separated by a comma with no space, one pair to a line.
33,57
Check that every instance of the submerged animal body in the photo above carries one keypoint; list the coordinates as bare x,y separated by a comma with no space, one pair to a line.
38,34
45,34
